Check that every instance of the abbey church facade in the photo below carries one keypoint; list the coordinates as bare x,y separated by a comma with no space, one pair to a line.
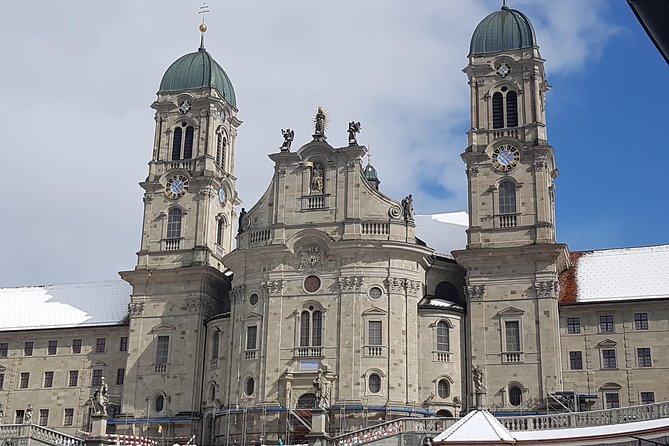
321,298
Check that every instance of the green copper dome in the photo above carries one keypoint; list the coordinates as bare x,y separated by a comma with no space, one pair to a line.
506,29
197,70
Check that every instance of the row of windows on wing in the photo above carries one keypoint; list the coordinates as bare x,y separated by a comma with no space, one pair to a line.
607,323
182,144
174,224
52,346
69,379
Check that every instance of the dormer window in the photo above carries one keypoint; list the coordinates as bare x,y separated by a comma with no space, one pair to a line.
182,142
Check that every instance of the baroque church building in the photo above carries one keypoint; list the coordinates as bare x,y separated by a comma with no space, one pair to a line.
320,300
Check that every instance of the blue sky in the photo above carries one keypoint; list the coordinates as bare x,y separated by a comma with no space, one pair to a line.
79,78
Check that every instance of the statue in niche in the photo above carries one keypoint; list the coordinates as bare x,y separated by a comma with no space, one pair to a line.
407,208
316,178
353,128
240,223
320,123
477,378
288,136
28,415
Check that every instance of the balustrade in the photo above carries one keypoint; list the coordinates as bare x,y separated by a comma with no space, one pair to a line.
260,236
250,354
306,352
512,357
508,221
374,350
172,244
160,368
376,228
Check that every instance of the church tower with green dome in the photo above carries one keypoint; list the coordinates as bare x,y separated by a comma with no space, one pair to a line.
512,259
188,227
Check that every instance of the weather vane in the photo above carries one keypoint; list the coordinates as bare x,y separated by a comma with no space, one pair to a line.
204,10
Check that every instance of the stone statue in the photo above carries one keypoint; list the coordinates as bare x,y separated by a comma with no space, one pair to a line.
407,208
100,398
316,178
322,386
2,413
240,225
477,378
288,136
319,124
28,415
353,128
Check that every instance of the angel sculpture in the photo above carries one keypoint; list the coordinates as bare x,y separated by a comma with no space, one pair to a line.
353,128
288,136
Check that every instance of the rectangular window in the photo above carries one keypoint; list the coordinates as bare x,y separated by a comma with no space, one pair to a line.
609,359
48,379
68,419
74,378
100,345
641,321
2,380
28,348
43,417
606,324
53,347
251,337
375,333
25,380
647,397
123,347
4,348
573,325
612,400
120,373
643,357
97,377
19,416
76,345
576,360
162,349
512,332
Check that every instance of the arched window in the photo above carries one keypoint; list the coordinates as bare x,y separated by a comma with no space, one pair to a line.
219,231
443,344
214,345
221,149
497,111
447,291
212,392
515,396
174,223
306,401
374,383
311,327
188,143
443,388
176,144
444,413
160,403
511,109
507,197
250,386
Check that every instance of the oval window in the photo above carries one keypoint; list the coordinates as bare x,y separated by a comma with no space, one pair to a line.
253,298
160,403
443,388
375,292
515,396
250,386
374,383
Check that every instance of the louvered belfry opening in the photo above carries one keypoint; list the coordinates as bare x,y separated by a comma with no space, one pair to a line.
511,109
176,144
188,143
497,111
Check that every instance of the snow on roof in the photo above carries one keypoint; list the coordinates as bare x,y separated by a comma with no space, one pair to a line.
443,232
636,427
476,426
617,274
60,306
439,303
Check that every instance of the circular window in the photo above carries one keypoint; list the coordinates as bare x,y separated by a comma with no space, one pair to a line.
375,292
374,383
160,403
515,396
250,386
253,298
443,388
312,284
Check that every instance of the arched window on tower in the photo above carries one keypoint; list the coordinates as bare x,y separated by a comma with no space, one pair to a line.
176,144
221,149
511,109
173,228
507,197
497,111
219,232
214,345
443,341
188,143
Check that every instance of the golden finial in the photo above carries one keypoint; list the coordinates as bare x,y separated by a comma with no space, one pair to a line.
204,10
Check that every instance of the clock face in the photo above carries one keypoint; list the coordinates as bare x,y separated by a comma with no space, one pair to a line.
185,106
176,187
221,195
503,69
505,157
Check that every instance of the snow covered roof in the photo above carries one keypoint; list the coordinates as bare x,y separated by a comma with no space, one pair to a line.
443,232
616,274
477,426
431,301
61,306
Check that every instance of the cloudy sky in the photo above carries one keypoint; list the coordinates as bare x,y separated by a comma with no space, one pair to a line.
78,78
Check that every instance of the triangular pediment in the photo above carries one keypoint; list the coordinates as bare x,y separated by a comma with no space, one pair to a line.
98,364
511,311
374,311
162,328
607,343
253,315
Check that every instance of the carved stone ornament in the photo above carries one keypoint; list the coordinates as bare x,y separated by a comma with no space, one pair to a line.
198,304
350,283
472,171
413,286
312,259
395,284
395,211
237,293
273,287
541,163
207,193
547,288
475,292
136,308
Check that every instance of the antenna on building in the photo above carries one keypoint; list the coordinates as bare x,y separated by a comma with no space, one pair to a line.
204,10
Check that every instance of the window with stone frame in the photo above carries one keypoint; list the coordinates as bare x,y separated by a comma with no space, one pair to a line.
612,400
97,377
162,350
443,388
4,349
43,417
573,325
100,345
643,357
374,383
48,379
609,358
606,324
515,396
311,327
52,348
76,346
120,375
641,321
123,344
507,197
220,230
174,217
68,417
25,380
2,381
252,337
512,336
504,108
647,397
74,378
576,360
182,142
443,338
20,414
28,348
375,334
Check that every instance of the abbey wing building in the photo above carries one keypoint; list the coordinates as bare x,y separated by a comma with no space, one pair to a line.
244,325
